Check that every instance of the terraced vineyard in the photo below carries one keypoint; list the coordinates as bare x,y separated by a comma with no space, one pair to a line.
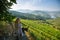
55,22
41,31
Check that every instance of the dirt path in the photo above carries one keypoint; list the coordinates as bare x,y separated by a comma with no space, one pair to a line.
29,36
24,37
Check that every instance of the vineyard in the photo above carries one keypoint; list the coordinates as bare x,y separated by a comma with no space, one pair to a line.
37,29
41,31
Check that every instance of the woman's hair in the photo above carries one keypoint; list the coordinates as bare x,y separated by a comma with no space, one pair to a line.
17,20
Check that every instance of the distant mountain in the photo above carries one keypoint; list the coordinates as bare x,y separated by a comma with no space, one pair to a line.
25,11
35,14
53,14
23,15
55,22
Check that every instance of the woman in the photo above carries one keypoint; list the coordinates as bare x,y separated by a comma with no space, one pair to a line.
18,29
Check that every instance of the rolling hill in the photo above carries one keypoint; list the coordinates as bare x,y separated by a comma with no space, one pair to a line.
41,31
36,14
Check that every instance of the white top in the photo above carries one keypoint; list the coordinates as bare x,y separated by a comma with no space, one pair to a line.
20,29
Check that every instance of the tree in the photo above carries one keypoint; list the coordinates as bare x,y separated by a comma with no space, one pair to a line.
4,8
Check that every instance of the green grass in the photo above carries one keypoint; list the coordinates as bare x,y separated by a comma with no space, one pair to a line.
55,23
41,30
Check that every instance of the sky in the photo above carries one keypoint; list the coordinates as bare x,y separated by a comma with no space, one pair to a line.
45,5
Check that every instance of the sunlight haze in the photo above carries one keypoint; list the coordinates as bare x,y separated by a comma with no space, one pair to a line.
46,5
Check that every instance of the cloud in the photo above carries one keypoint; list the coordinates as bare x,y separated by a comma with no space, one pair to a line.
36,5
25,6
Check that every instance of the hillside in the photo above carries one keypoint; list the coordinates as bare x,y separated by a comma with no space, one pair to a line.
30,15
52,14
55,22
37,29
41,31
35,14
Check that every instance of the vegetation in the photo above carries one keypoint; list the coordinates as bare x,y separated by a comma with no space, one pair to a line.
41,31
38,29
4,7
55,23
5,16
30,15
35,14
